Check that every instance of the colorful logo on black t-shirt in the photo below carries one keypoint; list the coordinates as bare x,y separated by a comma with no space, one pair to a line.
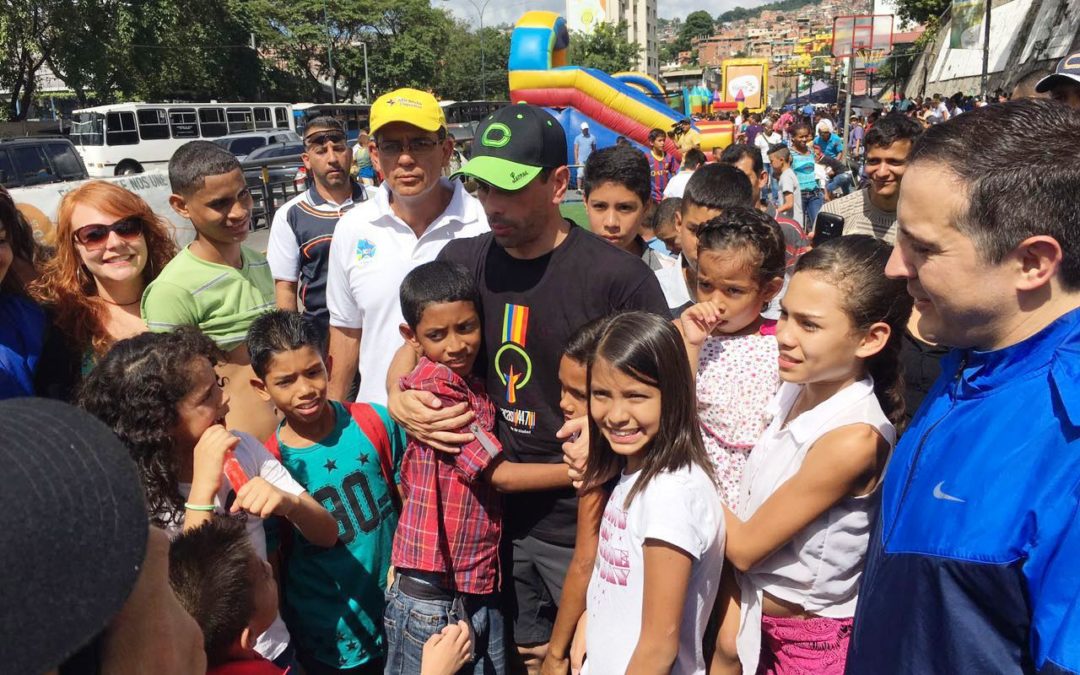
512,361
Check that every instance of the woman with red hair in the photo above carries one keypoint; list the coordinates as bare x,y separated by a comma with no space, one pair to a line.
109,246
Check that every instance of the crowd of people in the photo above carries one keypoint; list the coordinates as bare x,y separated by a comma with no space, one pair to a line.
432,431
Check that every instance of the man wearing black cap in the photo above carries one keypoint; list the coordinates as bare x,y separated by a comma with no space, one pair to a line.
540,279
86,578
1064,83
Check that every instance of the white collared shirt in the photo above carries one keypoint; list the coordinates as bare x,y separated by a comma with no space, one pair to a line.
820,567
370,255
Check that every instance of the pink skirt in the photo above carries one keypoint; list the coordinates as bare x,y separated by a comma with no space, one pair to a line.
796,646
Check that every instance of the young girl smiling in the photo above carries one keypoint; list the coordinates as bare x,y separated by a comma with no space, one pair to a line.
662,534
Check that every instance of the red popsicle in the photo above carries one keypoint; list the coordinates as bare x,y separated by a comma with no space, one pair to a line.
234,472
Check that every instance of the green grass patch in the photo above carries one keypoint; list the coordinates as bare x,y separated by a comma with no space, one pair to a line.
575,211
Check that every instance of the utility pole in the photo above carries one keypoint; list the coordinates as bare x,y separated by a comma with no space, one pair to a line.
480,7
330,53
367,82
986,53
847,105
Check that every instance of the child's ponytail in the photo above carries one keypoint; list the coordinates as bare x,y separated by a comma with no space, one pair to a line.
856,265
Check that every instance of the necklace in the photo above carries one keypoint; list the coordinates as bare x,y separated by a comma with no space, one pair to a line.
118,304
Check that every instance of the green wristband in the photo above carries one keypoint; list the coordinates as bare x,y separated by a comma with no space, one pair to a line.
199,507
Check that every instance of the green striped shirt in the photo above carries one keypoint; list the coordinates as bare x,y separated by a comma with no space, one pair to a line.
221,300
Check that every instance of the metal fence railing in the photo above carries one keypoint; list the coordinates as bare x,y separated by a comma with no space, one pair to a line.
272,181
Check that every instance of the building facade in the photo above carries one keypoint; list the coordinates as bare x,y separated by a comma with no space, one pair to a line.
640,18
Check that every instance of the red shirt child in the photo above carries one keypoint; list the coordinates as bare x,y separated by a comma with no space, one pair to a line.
449,506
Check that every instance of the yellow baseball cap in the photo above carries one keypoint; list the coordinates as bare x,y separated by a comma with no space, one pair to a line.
410,106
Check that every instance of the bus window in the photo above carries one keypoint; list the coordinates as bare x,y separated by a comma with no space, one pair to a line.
262,118
184,123
88,129
281,117
239,119
120,129
212,122
65,161
153,124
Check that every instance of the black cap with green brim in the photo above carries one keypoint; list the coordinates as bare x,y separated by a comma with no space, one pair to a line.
514,144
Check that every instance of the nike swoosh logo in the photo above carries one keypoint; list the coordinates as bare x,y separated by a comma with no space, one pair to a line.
940,494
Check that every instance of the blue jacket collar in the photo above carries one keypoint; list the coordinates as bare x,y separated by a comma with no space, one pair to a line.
984,371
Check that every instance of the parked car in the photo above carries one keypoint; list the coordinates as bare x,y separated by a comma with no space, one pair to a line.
242,144
287,170
38,160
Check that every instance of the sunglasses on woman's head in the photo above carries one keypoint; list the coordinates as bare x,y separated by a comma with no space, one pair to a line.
94,236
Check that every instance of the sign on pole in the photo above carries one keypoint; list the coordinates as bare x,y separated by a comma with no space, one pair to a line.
862,32
966,29
861,35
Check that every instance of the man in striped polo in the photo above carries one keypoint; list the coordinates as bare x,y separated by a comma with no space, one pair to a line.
299,246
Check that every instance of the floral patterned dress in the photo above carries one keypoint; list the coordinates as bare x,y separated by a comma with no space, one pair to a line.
737,377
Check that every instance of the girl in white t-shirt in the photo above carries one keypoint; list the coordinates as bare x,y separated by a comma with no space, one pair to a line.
661,544
809,490
159,394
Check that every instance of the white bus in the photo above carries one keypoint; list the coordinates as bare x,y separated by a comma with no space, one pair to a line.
125,138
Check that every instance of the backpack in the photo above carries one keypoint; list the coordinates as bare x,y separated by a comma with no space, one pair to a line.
372,427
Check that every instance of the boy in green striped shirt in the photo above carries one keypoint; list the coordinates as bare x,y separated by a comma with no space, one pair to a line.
215,283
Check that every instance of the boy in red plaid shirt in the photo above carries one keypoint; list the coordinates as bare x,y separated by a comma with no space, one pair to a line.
446,545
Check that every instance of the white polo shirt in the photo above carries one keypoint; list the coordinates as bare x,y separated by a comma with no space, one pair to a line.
370,255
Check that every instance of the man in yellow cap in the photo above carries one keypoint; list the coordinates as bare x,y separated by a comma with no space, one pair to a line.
414,213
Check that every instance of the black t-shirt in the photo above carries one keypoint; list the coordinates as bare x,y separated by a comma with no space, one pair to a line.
921,362
530,308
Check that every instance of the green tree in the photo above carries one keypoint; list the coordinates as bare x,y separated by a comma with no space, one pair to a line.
924,12
144,49
698,24
606,49
460,71
29,35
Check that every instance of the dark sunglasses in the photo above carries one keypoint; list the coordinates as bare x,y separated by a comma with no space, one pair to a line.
95,236
316,140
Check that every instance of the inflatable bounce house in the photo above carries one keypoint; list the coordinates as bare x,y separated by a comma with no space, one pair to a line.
620,104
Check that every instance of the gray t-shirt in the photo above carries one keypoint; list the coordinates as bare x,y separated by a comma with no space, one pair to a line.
790,183
862,217
584,146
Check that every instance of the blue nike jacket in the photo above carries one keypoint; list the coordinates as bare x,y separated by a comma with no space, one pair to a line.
974,563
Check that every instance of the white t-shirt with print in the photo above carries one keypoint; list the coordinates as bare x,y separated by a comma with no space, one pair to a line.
681,508
256,460
370,254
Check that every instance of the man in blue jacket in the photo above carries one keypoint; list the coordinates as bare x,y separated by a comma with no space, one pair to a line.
974,565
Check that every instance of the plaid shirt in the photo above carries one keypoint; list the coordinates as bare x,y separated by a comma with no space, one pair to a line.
449,508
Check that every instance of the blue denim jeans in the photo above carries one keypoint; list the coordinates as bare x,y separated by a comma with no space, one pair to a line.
841,184
812,201
410,621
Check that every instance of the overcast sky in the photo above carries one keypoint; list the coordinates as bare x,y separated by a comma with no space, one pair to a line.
509,11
